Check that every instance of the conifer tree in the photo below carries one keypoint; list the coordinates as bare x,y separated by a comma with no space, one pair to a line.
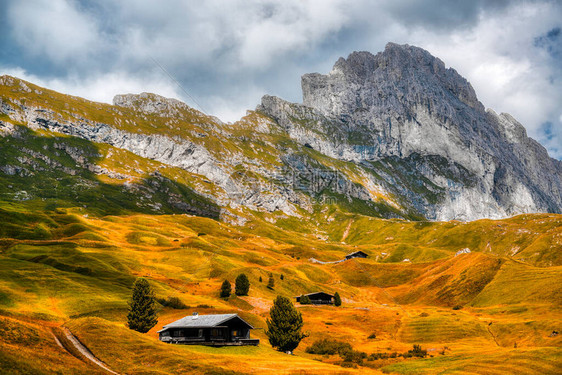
271,282
142,307
226,289
261,279
284,329
337,299
242,286
305,300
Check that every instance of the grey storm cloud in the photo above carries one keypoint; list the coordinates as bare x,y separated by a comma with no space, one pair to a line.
227,54
443,15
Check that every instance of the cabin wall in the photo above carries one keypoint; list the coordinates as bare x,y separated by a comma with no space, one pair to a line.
232,332
242,330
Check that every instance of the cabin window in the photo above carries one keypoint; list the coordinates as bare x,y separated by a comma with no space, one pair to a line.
216,332
165,334
194,333
176,333
235,333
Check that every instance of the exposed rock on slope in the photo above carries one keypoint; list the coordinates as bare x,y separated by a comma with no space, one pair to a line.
251,164
392,135
404,105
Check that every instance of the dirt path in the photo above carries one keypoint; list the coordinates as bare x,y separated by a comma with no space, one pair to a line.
346,232
314,260
85,351
493,336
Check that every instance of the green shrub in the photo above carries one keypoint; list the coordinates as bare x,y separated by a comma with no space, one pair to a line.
416,351
329,347
376,356
173,302
348,365
354,356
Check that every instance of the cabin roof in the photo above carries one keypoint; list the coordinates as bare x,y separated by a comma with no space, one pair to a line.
203,321
356,252
315,293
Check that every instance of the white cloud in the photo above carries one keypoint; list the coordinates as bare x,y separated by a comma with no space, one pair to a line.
101,88
288,27
228,53
55,28
499,58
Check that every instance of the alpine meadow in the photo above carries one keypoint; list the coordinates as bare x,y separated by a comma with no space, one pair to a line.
387,224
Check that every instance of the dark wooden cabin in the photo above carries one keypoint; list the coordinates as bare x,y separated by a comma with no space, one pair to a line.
211,330
357,254
319,298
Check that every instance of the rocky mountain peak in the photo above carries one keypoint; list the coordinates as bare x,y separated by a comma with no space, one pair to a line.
364,80
394,57
151,103
405,105
392,134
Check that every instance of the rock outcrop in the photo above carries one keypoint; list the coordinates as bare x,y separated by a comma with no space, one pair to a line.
404,105
395,134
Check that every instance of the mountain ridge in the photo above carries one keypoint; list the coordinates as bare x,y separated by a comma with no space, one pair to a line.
93,196
397,112
394,134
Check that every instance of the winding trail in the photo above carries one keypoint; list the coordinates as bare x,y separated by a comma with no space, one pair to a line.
493,336
314,260
85,351
346,232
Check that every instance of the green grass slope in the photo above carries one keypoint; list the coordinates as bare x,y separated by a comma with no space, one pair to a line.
79,271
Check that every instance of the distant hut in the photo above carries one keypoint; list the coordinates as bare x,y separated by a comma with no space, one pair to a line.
319,298
210,330
357,254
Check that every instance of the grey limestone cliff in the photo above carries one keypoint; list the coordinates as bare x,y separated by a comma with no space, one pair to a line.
404,105
396,134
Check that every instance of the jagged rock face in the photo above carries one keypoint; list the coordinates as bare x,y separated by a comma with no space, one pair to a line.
404,102
391,135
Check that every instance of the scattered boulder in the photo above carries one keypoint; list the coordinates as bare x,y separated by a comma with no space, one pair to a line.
466,250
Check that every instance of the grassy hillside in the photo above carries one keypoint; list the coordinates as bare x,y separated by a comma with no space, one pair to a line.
80,221
69,171
68,268
255,146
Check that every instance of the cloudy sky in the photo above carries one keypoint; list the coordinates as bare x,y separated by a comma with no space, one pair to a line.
222,56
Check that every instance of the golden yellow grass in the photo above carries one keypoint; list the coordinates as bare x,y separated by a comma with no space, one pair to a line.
401,303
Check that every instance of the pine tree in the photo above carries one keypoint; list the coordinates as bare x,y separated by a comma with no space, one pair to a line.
284,330
305,300
261,279
226,289
282,277
142,308
242,285
337,299
271,282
